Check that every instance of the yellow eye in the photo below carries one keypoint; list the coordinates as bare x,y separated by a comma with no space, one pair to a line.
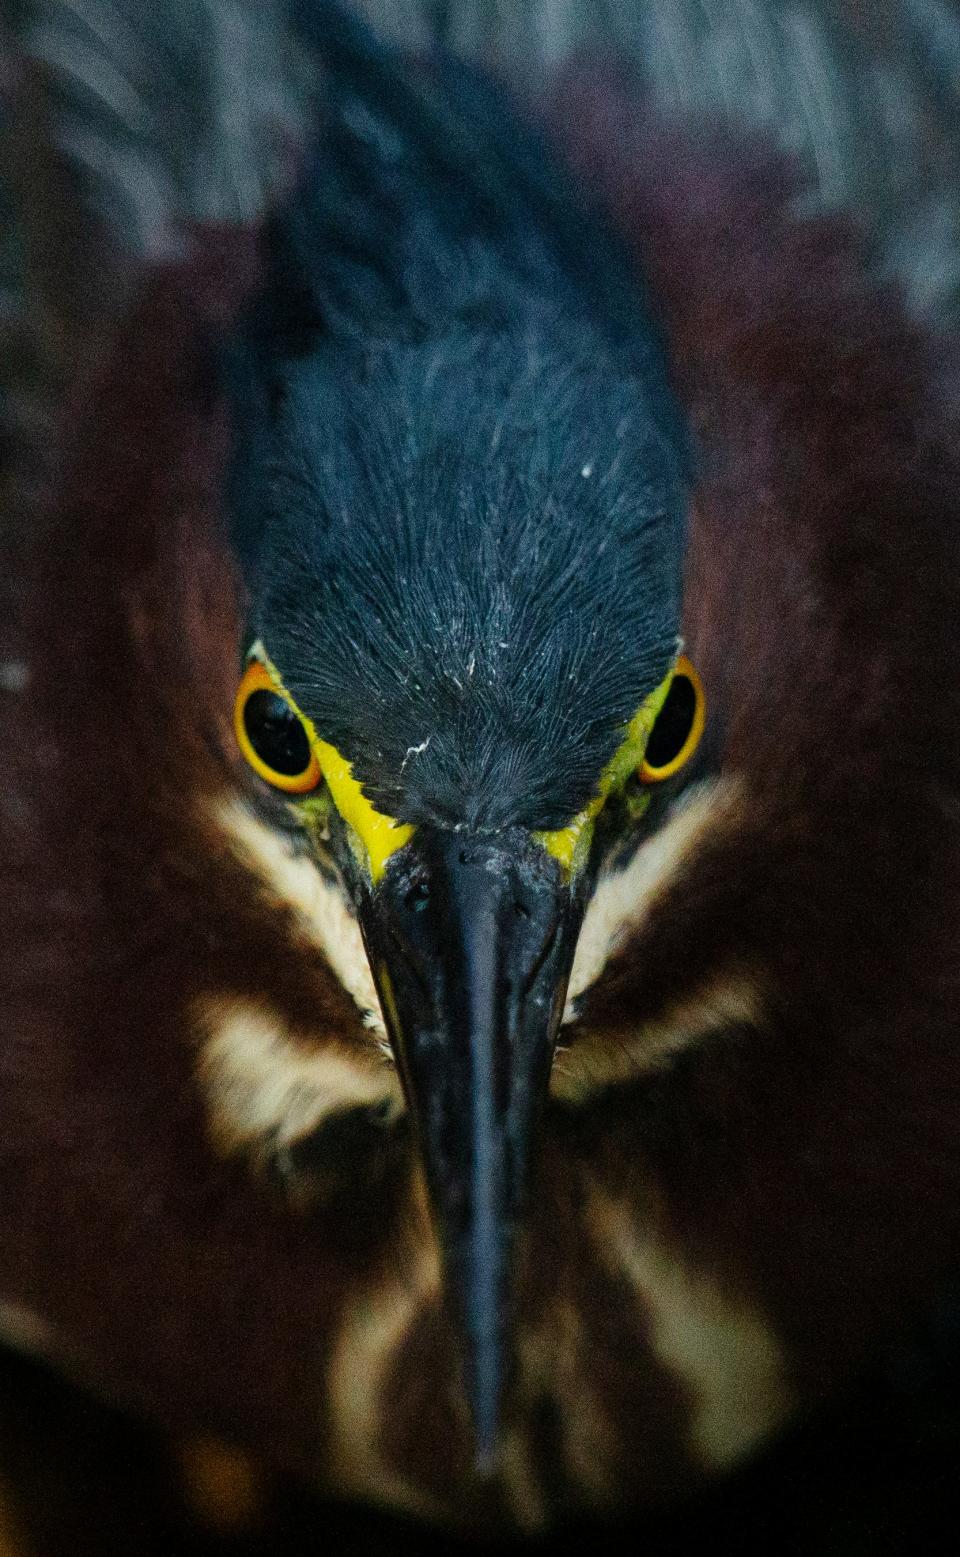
676,734
272,736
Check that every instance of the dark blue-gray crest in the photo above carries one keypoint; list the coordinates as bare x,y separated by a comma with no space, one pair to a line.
459,489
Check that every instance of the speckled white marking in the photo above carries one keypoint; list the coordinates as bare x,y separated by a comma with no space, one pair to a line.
297,884
375,1323
269,1086
623,899
723,1349
594,1061
14,676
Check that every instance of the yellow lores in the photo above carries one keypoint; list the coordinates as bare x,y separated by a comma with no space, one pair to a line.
381,836
570,845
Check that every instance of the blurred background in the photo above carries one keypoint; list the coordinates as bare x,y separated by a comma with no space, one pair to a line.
120,121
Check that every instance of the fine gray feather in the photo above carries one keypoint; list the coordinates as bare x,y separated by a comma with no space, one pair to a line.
121,120
867,96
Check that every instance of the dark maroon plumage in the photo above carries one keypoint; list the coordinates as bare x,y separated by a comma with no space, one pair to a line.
805,1163
822,603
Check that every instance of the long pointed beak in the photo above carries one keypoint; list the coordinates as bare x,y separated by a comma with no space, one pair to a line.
470,941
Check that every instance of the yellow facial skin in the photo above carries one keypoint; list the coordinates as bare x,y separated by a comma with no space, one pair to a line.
381,836
571,844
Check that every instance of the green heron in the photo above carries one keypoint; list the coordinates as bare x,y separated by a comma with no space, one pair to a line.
487,757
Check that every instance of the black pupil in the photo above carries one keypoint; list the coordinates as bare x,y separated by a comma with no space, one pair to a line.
673,724
276,734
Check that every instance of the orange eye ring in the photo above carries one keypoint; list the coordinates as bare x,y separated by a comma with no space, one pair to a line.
274,739
693,707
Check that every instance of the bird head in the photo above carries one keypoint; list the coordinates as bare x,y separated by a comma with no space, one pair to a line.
465,684
460,504
459,509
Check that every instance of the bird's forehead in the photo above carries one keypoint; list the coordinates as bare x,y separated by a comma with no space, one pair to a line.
489,708
472,616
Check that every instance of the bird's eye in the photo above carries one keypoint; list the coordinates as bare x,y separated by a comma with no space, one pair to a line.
676,734
272,735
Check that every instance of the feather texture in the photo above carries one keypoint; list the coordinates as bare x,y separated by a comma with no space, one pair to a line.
460,484
786,1185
